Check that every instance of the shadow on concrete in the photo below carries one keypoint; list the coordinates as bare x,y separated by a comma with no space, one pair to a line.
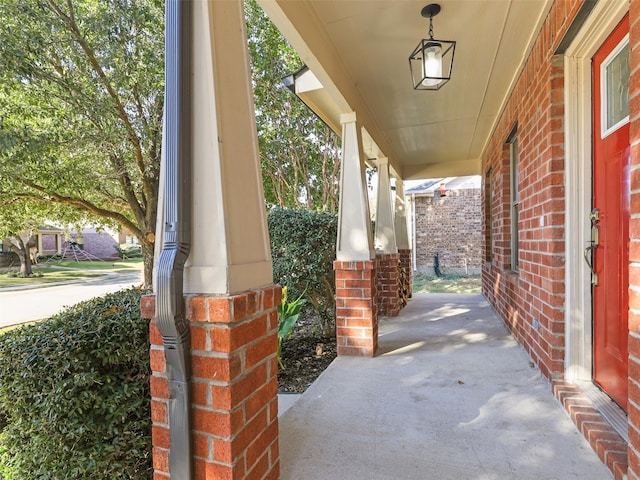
450,395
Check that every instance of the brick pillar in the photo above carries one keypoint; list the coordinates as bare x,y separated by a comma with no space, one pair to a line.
389,303
407,263
356,308
234,386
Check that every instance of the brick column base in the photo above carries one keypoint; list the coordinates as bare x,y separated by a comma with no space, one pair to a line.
356,309
234,386
389,302
407,263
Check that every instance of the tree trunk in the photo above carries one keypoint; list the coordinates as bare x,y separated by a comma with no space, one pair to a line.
25,264
20,248
147,259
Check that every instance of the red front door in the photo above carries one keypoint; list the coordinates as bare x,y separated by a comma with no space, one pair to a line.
610,216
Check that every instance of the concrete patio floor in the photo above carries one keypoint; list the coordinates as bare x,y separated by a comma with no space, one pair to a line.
449,396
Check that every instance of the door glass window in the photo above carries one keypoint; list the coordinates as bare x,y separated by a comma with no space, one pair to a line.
615,84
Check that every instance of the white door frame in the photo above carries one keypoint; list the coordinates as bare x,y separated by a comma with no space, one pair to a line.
578,181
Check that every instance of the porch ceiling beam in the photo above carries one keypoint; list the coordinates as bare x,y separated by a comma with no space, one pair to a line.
460,168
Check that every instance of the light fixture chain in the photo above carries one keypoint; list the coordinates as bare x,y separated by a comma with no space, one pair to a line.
431,28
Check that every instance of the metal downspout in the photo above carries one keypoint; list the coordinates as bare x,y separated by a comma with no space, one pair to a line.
413,234
177,234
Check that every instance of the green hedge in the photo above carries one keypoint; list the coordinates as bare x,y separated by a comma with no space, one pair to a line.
303,248
74,394
129,250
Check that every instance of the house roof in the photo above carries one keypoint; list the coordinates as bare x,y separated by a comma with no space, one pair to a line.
49,229
429,186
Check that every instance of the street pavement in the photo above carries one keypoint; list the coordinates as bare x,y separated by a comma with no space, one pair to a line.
20,305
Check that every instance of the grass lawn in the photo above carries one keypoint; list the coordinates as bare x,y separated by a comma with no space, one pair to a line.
423,283
131,265
64,271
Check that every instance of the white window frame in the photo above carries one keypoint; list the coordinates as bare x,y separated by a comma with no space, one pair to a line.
514,199
603,91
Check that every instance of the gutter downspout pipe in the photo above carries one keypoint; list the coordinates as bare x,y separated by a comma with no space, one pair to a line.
414,255
177,234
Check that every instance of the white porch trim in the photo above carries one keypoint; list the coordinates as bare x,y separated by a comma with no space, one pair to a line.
578,165
385,239
230,244
402,236
355,240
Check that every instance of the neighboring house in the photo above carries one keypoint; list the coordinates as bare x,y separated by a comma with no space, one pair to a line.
50,240
96,243
102,243
446,220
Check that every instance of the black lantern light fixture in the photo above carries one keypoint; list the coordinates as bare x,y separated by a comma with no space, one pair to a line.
432,60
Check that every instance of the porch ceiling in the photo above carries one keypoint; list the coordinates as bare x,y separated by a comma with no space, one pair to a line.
359,50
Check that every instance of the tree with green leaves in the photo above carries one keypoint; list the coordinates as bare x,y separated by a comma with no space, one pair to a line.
18,227
19,224
298,152
81,96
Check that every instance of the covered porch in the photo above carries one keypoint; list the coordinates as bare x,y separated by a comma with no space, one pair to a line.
519,81
450,395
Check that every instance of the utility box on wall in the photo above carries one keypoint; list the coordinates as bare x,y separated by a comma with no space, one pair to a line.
447,220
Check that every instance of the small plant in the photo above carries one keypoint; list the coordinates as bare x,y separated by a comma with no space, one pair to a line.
303,248
288,314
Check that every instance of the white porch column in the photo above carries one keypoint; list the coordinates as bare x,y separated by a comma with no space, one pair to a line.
230,302
230,244
402,237
402,240
388,276
355,265
385,240
355,241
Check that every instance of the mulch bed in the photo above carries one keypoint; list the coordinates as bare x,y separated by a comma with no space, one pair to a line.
306,354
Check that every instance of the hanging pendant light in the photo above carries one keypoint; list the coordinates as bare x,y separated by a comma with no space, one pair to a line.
432,60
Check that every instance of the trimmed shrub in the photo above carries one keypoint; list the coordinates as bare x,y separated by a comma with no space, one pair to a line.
129,250
74,394
9,259
303,248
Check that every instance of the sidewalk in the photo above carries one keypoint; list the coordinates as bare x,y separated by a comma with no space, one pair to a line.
21,305
450,396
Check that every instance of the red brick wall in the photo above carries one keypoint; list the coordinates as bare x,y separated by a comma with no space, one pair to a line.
406,263
356,308
531,301
634,247
388,279
99,244
234,386
452,227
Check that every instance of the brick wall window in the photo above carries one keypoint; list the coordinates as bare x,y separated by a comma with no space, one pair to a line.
513,196
488,217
